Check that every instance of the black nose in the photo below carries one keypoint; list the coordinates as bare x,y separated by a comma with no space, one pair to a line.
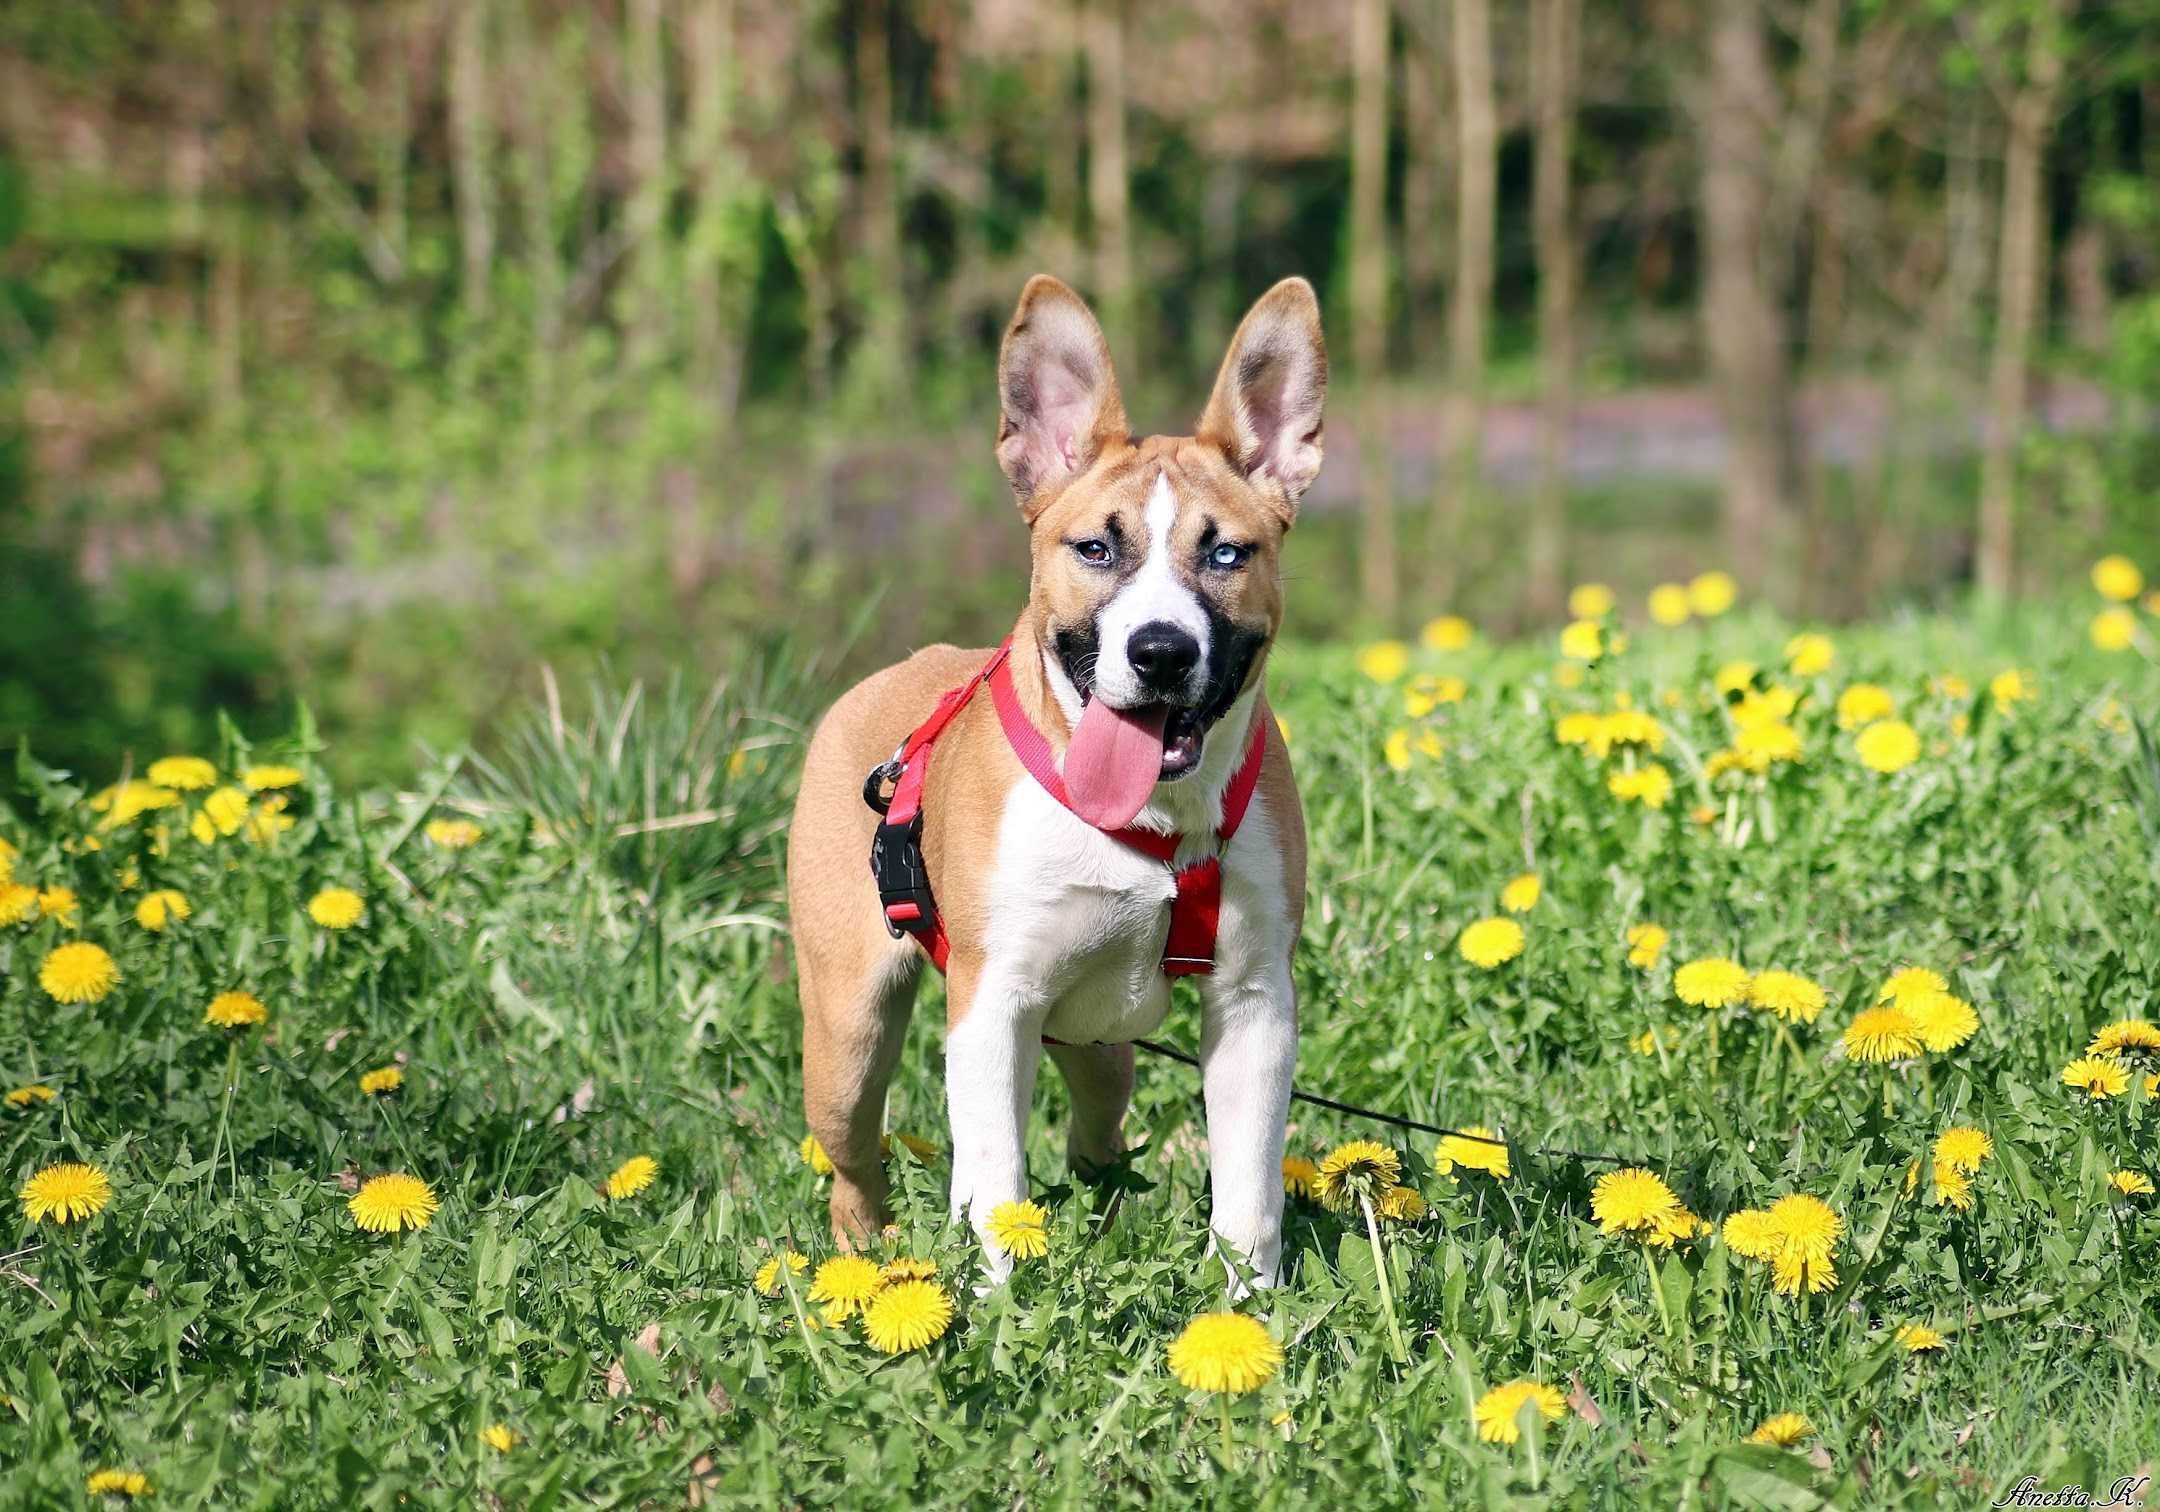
1162,656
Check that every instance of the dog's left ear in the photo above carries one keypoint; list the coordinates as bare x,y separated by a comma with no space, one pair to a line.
1265,411
1058,403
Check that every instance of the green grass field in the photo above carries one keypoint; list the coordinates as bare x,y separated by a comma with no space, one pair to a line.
605,974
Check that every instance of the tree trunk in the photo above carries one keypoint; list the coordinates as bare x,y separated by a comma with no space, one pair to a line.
1109,177
1743,332
645,208
2018,298
1368,304
1427,188
881,364
715,306
1554,52
1477,166
469,111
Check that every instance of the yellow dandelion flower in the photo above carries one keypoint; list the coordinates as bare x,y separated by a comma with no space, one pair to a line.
1384,661
1733,677
844,1283
1623,728
907,1268
23,1097
1713,982
1669,1228
117,1483
814,1156
1763,743
1579,728
1669,605
1298,1176
2113,629
1589,601
1395,750
767,1279
268,821
235,1010
1474,1149
1224,1352
160,908
8,852
2010,688
2118,578
1943,1021
78,972
2134,1036
1782,1431
1918,1338
1020,1230
1881,1034
1498,1410
632,1177
1650,785
1631,1200
1806,1225
386,1204
1962,1148
2097,1077
2131,1183
1650,1041
1521,893
1583,641
1424,694
1491,942
17,903
59,903
907,1315
263,779
1787,994
1753,1234
225,811
336,908
65,1192
1362,1168
1711,594
1793,1274
1887,746
1810,655
1646,942
453,834
186,774
1450,632
500,1437
1909,984
130,801
381,1082
1401,1204
1863,704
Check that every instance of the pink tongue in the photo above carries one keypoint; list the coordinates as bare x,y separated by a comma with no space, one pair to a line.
1113,761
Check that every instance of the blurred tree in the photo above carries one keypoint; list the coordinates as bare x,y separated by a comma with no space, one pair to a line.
1378,573
1555,30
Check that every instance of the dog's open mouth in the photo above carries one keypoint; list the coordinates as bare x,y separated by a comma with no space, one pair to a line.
1182,733
1116,756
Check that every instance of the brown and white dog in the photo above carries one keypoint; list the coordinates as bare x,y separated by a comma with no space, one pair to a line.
1155,594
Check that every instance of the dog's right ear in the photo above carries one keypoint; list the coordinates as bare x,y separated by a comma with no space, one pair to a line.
1058,403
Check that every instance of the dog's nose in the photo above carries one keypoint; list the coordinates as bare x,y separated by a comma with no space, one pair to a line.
1162,656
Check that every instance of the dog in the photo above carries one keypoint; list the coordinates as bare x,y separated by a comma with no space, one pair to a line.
1138,662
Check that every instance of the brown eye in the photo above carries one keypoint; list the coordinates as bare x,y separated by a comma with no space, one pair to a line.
1094,553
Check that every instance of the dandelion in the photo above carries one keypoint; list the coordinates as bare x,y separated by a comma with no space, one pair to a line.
1623,728
1888,746
1787,994
381,1082
1711,594
500,1437
1918,1338
1863,704
17,903
1943,1021
1474,1149
78,972
1762,743
1450,632
632,1177
58,903
1497,1410
117,1483
1909,984
1020,1230
1807,1232
2097,1077
2010,688
2113,629
186,774
906,1315
65,1193
1752,1234
1649,785
1782,1431
1646,942
1631,1200
2126,1037
1224,1352
1491,942
336,908
223,812
1713,982
453,834
1881,1034
160,908
1578,728
814,1156
1522,893
1809,655
1362,1168
767,1279
1669,605
235,1010
268,821
1401,1204
263,779
844,1283
1589,601
386,1204
2118,578
907,1269
1667,1229
2131,1183
1299,1176
1425,694
1384,661
1395,750
1953,1188
130,801
1650,1041
1583,641
23,1097
1963,1148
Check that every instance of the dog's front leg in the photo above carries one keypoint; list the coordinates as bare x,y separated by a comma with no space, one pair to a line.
1248,1051
993,1044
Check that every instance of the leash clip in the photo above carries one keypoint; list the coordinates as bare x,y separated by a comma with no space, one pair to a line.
884,780
903,882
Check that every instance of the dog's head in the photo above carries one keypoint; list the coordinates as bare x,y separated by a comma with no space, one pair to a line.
1157,583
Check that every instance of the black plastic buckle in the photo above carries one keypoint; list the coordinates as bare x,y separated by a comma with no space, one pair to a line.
903,883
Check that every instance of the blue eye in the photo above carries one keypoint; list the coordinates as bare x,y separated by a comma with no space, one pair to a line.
1227,556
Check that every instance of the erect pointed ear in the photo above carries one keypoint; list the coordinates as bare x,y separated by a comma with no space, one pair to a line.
1058,403
1265,411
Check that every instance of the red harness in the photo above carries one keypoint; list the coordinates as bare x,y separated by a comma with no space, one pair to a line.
896,856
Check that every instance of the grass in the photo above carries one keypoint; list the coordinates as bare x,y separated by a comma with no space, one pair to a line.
576,989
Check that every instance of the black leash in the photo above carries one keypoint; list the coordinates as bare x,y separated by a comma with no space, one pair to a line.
1169,1052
